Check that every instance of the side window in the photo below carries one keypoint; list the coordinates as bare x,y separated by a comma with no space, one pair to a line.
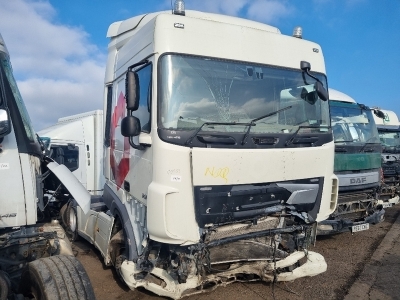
143,113
66,155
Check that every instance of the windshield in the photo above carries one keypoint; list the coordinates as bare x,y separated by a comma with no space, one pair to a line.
197,90
390,139
6,66
351,124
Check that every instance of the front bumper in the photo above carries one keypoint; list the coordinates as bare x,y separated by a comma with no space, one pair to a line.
161,283
328,227
389,202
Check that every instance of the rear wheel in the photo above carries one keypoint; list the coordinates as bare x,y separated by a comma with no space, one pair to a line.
56,277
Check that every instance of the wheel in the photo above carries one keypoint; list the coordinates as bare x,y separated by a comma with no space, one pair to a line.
69,218
5,286
56,277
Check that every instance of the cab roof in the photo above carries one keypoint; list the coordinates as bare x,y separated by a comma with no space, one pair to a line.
339,96
137,22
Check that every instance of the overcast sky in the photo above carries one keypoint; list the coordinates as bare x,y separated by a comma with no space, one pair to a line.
58,48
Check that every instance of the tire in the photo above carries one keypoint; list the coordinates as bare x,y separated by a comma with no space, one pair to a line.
56,277
69,217
5,286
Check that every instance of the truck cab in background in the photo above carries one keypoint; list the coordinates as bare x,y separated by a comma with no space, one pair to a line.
77,142
389,134
357,165
36,258
207,154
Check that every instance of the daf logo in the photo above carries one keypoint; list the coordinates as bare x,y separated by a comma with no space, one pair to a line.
359,180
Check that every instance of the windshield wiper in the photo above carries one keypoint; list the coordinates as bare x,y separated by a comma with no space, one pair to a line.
365,145
368,143
189,140
343,141
251,123
290,141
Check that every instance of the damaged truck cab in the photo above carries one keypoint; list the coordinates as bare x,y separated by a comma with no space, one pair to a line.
218,154
357,165
36,257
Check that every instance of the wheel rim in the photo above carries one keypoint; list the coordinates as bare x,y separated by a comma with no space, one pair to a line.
72,220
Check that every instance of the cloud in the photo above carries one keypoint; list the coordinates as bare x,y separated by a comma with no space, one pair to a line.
59,72
227,7
266,11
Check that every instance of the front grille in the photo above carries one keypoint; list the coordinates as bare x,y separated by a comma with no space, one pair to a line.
350,197
227,204
354,207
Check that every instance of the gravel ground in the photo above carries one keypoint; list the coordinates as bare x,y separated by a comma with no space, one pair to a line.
346,255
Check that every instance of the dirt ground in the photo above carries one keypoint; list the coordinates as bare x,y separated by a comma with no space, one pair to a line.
346,255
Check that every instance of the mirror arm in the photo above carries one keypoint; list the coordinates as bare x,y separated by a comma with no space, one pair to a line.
143,62
133,145
312,76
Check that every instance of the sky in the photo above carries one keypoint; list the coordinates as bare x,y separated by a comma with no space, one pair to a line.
58,48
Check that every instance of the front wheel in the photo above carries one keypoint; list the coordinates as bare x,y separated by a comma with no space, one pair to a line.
56,277
69,217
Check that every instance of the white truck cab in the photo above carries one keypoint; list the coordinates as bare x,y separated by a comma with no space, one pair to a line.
77,142
36,258
218,153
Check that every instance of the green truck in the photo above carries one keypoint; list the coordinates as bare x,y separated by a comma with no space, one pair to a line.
357,165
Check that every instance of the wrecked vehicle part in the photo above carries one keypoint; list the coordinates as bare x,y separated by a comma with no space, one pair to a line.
20,246
261,249
210,181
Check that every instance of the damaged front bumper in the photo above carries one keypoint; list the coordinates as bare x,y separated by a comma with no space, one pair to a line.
261,251
389,194
161,283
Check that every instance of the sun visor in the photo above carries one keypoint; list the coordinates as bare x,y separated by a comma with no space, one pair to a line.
77,190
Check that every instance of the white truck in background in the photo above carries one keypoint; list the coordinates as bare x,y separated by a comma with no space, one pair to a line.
36,258
211,125
389,134
77,142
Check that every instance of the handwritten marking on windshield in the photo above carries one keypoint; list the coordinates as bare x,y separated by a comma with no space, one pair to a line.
218,173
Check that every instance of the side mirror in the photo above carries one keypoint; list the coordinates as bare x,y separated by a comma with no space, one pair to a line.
132,89
5,124
379,113
321,91
130,126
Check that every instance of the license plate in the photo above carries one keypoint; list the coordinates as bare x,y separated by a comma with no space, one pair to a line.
387,204
361,227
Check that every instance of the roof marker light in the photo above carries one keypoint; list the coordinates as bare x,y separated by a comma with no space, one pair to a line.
179,7
298,32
